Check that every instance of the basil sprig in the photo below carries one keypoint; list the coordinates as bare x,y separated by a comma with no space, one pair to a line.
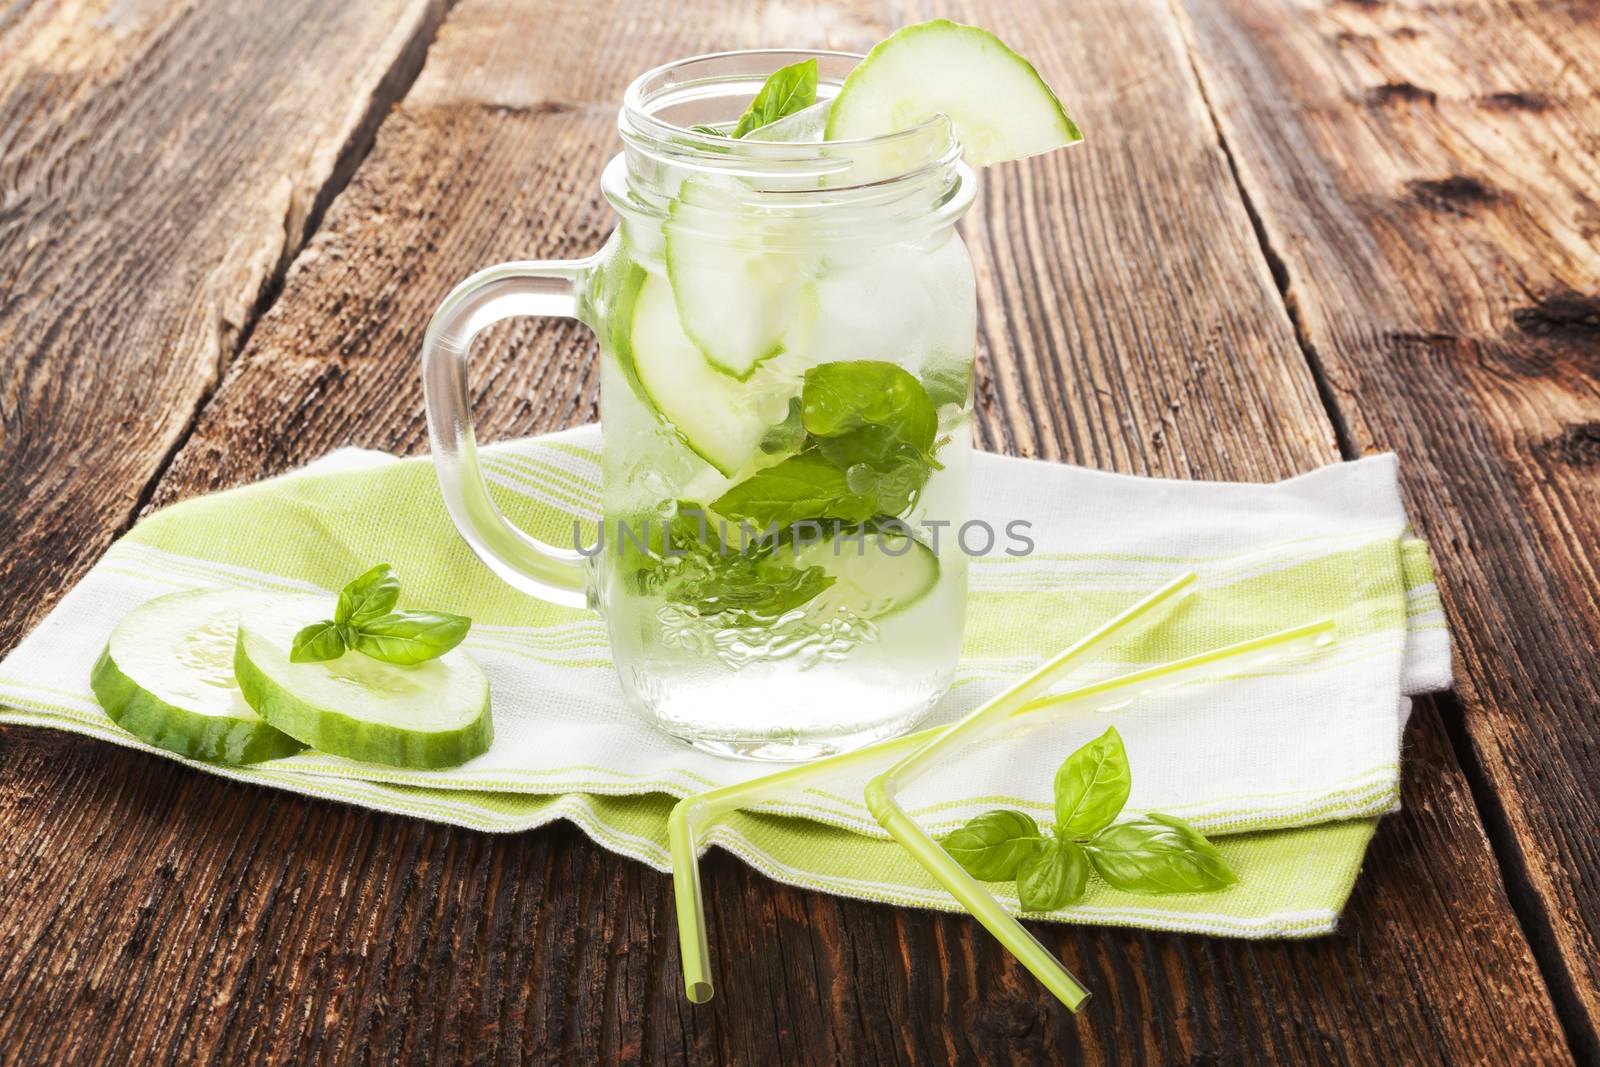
1155,854
693,566
860,442
365,620
865,434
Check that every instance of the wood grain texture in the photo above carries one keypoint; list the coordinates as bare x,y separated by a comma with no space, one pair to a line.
159,164
1128,321
1427,175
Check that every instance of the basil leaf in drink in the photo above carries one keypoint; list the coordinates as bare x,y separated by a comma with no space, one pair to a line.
838,398
786,90
1158,854
373,594
871,430
753,591
786,436
950,384
805,486
875,422
1053,875
409,637
993,845
891,487
877,445
1092,786
320,641
742,584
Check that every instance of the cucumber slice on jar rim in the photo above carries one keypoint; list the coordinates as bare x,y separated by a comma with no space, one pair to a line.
998,105
421,716
166,676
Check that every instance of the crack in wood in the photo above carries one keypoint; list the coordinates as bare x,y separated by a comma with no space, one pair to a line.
1337,421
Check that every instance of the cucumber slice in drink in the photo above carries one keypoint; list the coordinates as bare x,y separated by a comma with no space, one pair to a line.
1001,109
432,714
709,410
615,300
166,676
884,572
737,296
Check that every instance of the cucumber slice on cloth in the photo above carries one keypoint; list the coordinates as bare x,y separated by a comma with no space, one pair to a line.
166,676
431,714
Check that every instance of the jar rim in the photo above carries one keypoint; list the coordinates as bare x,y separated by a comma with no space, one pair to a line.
696,79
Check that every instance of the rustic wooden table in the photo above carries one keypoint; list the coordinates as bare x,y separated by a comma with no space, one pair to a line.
1299,230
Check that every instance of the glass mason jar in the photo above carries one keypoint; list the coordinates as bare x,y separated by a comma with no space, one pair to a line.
786,336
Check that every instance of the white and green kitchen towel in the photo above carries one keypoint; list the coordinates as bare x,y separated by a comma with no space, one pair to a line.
1286,765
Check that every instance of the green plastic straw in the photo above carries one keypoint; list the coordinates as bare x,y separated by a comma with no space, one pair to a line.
691,815
882,802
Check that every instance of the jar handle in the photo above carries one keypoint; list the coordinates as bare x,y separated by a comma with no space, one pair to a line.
546,288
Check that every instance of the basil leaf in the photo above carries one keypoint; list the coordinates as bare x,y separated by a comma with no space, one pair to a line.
993,844
889,488
786,436
409,637
1158,854
949,384
1092,786
743,583
1054,875
880,446
711,130
786,90
806,486
373,594
871,429
754,591
841,397
317,642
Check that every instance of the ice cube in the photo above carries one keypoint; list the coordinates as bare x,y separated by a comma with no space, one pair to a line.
804,125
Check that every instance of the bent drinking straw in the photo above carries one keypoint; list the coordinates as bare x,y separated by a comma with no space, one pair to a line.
881,800
692,814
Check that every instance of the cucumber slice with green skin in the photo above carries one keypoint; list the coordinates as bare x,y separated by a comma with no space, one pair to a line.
737,297
711,412
166,676
1001,109
432,714
886,572
616,301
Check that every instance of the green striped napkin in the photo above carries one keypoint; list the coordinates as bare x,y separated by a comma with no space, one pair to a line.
1286,764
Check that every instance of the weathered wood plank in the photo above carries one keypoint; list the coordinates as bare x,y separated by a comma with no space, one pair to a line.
159,163
1128,321
1428,176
